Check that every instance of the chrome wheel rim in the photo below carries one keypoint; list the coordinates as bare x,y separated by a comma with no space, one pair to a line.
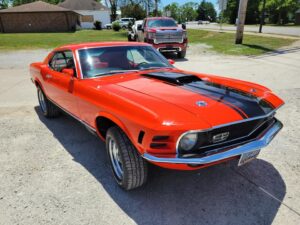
115,158
42,101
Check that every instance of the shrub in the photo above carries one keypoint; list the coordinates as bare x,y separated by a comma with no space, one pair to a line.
116,26
98,25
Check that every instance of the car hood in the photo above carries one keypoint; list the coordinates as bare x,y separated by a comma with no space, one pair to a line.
204,97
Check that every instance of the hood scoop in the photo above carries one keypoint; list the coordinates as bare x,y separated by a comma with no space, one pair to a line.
173,78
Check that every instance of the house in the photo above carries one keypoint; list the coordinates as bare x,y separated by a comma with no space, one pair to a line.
37,17
89,11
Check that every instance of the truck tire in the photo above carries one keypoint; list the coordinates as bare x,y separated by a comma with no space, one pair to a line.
181,54
129,168
48,109
129,37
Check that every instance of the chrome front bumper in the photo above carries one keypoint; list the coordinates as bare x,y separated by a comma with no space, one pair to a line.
236,151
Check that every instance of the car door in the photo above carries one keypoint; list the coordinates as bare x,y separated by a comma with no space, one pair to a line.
60,85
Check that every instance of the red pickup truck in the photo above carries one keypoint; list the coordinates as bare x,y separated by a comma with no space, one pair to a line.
164,34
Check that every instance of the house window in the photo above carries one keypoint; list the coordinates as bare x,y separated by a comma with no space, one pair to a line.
87,18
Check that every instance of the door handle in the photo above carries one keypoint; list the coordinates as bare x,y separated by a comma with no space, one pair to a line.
48,76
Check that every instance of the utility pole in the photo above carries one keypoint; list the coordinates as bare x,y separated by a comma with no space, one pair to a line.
262,17
241,21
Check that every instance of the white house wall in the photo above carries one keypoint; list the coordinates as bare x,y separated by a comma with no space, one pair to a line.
103,16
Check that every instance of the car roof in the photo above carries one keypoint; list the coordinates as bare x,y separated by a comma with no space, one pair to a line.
159,18
100,44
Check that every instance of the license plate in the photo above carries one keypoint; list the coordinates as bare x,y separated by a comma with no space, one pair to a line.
247,157
169,46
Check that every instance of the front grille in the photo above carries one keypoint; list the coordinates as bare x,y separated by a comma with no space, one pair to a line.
169,37
238,134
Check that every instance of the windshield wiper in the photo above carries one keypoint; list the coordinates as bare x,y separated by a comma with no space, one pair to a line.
114,72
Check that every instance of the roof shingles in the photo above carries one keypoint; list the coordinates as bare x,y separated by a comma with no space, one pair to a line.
83,5
38,6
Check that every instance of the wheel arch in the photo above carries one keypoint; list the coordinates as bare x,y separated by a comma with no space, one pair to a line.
106,120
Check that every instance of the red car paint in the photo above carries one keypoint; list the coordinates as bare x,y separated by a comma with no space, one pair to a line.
136,103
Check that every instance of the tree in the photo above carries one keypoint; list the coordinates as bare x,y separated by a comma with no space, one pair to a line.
206,11
189,11
279,10
3,4
113,9
133,10
174,9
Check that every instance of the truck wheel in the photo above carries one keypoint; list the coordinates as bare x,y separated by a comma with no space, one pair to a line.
129,168
48,109
181,54
129,37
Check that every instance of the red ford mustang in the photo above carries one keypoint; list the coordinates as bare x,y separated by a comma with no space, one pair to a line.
146,110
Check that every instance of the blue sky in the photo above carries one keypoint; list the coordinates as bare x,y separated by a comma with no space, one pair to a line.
166,2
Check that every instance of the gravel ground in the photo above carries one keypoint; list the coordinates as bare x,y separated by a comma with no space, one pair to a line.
55,172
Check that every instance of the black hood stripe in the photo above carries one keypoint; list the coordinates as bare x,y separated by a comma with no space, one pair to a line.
251,106
239,111
246,104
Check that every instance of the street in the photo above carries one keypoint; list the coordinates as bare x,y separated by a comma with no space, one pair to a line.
278,30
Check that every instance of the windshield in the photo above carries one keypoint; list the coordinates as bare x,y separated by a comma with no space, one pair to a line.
120,59
162,23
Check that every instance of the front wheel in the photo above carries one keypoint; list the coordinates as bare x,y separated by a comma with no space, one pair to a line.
48,108
181,54
129,168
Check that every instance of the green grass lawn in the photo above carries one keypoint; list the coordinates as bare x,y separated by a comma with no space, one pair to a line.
224,42
219,42
52,40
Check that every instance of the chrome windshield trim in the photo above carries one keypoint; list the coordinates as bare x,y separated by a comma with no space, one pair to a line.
227,124
236,151
95,47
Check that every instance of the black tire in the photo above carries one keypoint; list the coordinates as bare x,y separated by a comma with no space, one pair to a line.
134,167
181,54
48,109
129,37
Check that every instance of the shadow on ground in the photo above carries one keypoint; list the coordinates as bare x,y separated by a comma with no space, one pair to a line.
221,194
174,56
272,52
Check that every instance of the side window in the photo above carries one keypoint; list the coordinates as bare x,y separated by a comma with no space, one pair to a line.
62,60
136,56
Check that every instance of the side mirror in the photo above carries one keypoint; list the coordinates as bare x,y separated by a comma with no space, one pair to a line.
183,26
68,71
139,27
171,61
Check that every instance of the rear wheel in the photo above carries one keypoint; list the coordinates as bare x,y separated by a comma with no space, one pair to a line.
129,168
48,108
181,54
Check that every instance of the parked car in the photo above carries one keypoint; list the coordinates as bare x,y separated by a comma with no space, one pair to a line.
203,22
133,34
123,23
164,34
148,111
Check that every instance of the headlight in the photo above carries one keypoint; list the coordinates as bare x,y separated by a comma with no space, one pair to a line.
151,35
184,35
188,141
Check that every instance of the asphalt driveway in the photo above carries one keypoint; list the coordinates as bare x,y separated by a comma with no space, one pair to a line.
55,172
